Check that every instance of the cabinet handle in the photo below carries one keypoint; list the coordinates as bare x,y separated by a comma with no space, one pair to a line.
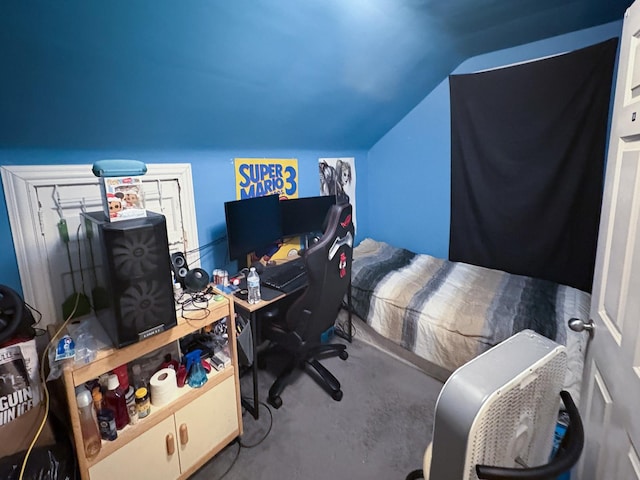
184,434
171,446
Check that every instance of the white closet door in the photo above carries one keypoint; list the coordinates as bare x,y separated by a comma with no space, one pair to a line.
611,379
40,197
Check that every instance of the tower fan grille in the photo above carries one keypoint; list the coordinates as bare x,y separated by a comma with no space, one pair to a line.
523,417
135,254
144,305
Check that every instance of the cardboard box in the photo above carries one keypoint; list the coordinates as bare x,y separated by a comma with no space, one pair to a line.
22,431
122,197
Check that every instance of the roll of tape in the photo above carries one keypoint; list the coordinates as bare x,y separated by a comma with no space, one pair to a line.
164,386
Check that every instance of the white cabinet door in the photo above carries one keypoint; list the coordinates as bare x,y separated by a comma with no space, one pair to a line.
204,423
145,457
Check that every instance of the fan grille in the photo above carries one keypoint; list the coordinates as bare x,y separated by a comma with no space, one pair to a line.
135,254
521,415
143,305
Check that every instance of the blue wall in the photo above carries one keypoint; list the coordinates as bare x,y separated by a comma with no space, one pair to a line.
409,168
402,182
213,183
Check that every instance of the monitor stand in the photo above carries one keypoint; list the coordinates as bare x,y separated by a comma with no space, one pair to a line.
311,239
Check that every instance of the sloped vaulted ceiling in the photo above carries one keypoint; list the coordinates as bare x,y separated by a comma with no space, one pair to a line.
317,74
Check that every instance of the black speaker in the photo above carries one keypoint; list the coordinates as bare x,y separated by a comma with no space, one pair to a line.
196,280
135,268
180,267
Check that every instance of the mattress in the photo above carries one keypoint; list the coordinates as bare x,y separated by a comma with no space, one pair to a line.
449,312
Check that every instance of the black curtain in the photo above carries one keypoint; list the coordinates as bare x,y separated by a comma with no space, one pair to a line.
527,165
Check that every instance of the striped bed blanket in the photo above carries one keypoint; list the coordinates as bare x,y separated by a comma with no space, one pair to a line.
449,312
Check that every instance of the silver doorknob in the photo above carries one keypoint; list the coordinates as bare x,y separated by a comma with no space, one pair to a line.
578,325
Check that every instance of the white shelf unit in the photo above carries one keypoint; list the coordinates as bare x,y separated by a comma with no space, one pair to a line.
176,439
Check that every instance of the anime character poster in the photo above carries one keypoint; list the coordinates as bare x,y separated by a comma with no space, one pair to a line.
268,176
338,177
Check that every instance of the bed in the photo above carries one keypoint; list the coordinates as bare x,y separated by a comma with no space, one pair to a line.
445,313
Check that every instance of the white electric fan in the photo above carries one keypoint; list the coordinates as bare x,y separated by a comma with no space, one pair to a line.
495,416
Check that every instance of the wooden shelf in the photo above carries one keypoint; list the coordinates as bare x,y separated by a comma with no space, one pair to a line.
222,387
185,395
108,359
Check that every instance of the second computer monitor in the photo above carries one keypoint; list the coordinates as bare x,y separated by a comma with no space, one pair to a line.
301,216
252,224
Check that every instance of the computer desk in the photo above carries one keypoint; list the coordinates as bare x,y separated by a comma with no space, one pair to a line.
252,310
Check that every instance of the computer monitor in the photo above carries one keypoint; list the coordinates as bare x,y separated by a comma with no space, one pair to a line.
252,224
301,216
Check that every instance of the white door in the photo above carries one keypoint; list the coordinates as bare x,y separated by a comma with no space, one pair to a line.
54,267
611,388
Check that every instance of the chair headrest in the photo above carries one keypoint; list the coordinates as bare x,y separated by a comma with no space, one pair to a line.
340,229
339,218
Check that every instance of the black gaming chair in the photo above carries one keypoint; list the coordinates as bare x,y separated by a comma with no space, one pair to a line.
298,330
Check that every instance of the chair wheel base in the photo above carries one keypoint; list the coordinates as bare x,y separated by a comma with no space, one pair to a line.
337,395
275,402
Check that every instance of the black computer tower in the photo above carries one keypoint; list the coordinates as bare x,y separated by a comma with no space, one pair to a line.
132,267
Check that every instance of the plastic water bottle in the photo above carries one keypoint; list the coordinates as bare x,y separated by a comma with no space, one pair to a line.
88,425
253,285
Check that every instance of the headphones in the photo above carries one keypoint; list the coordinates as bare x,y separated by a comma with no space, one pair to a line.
15,317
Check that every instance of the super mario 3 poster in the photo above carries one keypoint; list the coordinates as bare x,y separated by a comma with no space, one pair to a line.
268,176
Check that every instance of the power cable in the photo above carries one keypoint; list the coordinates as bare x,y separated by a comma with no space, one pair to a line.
243,445
43,379
233,462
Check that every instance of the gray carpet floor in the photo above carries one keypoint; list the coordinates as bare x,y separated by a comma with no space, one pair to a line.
379,430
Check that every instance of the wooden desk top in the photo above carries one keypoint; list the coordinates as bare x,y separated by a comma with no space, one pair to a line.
251,307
